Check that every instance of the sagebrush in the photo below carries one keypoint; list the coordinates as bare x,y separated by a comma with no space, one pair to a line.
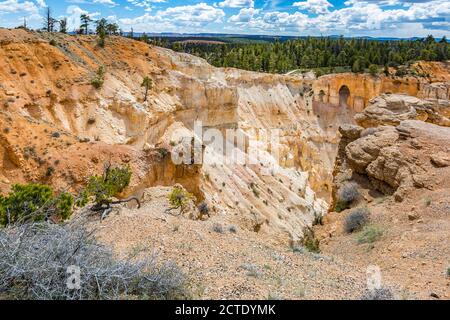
370,234
346,195
35,257
378,294
356,219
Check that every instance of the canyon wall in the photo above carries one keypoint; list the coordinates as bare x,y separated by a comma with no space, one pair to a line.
431,80
57,128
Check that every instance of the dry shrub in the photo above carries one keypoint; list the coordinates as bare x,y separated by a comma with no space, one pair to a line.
34,261
356,219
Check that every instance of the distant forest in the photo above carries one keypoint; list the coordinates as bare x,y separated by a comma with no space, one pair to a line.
324,55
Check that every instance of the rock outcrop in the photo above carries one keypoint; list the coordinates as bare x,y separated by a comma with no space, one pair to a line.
397,159
391,109
399,173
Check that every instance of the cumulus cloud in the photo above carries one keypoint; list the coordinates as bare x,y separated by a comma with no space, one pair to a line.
236,3
16,6
145,4
356,16
110,3
74,13
244,15
314,6
41,3
197,16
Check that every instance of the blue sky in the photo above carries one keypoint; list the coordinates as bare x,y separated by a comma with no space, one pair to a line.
393,18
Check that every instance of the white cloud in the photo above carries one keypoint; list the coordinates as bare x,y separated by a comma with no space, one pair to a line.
236,3
15,6
201,12
244,15
110,3
314,6
41,3
173,18
315,17
146,4
74,13
284,21
112,18
358,17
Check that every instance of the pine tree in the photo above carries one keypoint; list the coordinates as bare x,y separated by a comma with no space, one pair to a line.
85,21
356,67
147,83
373,70
101,26
112,28
63,25
324,53
144,38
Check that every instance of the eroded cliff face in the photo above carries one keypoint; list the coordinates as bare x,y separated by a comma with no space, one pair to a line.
431,80
58,129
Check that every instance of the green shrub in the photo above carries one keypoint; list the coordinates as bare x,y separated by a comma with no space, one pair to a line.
370,234
101,38
339,207
356,219
255,190
103,188
97,83
179,197
99,78
34,202
49,172
64,204
310,242
401,72
373,69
